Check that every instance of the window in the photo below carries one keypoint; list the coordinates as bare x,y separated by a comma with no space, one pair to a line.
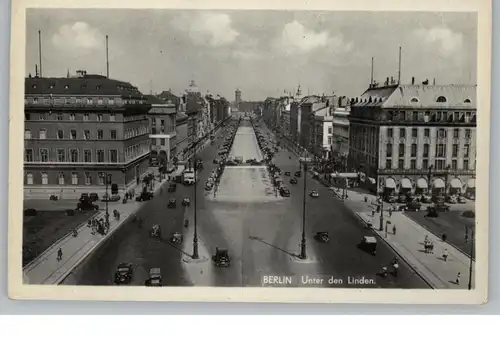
61,155
456,133
88,178
389,132
466,164
330,140
330,130
401,164
113,156
112,117
441,99
414,132
441,133
113,134
454,164
100,156
73,155
454,150
41,117
87,156
35,99
60,178
89,101
440,150
427,132
439,164
29,178
401,151
467,133
99,100
388,164
72,134
60,134
43,134
27,134
44,155
28,155
413,164
111,101
72,117
426,150
74,178
413,150
402,132
85,117
425,164
59,117
101,176
100,134
162,142
27,116
466,150
99,117
153,131
86,134
153,121
78,100
45,178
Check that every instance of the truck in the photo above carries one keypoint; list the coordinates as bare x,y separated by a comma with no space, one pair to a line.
188,177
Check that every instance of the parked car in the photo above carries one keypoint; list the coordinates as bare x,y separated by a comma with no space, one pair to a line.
284,192
94,197
86,205
461,200
314,194
438,199
154,279
390,198
298,173
451,199
144,196
221,258
172,203
402,199
84,196
110,198
426,199
293,180
441,207
413,206
186,201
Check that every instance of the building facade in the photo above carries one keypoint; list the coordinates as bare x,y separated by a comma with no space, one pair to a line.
182,139
78,130
415,138
162,126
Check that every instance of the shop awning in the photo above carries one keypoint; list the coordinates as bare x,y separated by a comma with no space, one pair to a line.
390,184
471,184
406,183
422,183
438,183
455,183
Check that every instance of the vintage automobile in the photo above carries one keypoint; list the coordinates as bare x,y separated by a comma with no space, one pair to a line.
172,203
298,173
426,199
322,237
369,244
86,205
438,199
186,201
293,180
144,196
110,198
221,258
176,238
123,274
154,279
284,192
155,231
432,212
413,206
208,186
461,200
390,198
452,199
314,194
287,173
402,199
84,197
215,161
94,197
441,207
172,187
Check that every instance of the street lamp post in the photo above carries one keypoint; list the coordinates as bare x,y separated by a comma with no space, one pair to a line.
108,179
471,259
381,227
303,254
195,236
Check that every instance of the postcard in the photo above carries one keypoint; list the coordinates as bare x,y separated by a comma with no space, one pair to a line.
262,151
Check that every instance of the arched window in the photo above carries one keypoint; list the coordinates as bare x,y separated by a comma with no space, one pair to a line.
467,101
441,99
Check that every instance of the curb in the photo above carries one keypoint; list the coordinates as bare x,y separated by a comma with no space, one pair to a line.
420,274
36,261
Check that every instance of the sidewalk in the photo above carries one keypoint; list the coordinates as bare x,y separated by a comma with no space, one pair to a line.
408,243
45,269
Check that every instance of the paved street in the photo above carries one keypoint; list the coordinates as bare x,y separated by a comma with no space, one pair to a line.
133,244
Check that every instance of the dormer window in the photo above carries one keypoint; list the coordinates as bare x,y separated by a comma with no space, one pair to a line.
441,99
467,101
414,100
66,86
51,86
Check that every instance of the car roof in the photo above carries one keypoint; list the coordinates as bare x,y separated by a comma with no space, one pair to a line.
154,271
370,239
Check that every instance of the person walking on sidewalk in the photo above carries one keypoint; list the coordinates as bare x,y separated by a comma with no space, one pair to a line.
59,255
394,229
457,280
445,255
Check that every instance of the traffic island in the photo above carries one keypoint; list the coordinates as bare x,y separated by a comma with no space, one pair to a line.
190,259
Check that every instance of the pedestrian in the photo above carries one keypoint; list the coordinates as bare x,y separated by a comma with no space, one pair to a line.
373,213
443,237
59,255
390,212
89,223
394,229
457,281
445,255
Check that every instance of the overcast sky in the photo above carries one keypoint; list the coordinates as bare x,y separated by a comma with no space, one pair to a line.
263,53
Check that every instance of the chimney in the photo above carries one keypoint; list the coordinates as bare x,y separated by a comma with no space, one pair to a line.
413,80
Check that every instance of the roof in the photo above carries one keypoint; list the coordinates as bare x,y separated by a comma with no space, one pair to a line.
181,117
420,96
310,99
92,85
153,99
167,95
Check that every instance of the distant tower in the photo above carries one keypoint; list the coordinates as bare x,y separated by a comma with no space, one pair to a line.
237,98
192,88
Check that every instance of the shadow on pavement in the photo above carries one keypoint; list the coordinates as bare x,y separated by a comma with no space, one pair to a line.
273,246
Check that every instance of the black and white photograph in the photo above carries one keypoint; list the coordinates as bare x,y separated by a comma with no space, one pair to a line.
263,149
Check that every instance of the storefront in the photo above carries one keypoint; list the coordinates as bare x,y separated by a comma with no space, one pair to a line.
422,186
405,187
470,192
455,186
438,186
390,186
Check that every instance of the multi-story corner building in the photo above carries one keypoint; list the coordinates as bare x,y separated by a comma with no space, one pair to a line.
163,143
308,107
415,138
284,104
182,138
80,129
